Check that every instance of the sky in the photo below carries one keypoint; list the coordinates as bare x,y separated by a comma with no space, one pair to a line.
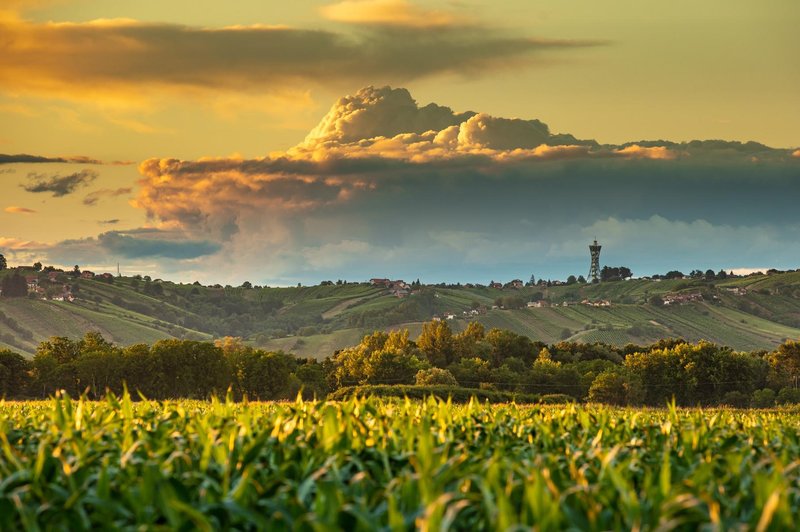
457,141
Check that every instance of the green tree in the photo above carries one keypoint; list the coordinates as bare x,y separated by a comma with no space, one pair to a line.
437,344
14,374
786,361
3,263
14,285
191,369
608,388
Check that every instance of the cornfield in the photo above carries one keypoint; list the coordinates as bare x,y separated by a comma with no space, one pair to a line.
367,464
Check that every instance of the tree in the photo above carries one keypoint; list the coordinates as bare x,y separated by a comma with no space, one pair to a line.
582,279
436,343
572,279
76,271
608,388
786,361
37,266
617,273
14,286
3,263
14,373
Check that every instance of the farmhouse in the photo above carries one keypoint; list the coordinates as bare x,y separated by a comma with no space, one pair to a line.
682,299
538,304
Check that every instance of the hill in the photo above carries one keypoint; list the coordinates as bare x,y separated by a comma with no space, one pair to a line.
753,312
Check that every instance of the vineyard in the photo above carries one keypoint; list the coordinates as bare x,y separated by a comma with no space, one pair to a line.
364,464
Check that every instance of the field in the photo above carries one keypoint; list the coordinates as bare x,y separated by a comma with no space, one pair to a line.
367,464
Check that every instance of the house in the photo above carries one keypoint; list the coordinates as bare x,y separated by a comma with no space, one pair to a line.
106,276
52,276
449,316
33,282
598,303
682,299
86,274
538,304
737,291
495,285
516,283
379,282
401,292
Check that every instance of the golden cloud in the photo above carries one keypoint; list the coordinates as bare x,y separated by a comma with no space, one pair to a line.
389,13
13,209
646,152
123,61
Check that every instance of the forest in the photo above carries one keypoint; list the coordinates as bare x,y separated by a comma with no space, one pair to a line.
497,361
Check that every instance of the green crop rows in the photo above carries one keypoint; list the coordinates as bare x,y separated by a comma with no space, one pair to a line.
367,464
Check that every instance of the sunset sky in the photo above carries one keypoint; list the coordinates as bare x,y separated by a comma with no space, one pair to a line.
285,142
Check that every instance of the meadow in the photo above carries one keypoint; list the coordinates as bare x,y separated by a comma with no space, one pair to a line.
366,464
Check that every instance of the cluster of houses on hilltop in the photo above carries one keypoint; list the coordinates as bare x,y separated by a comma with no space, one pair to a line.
397,288
41,291
52,284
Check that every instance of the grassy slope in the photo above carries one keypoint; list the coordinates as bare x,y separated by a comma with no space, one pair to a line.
762,318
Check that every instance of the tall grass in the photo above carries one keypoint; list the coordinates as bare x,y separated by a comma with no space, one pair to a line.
393,464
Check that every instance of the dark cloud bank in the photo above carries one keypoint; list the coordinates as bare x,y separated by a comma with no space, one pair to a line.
383,186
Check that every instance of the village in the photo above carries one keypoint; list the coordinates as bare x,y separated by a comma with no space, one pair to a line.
48,284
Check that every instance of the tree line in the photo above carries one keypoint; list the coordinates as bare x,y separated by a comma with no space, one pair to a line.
693,374
495,360
164,370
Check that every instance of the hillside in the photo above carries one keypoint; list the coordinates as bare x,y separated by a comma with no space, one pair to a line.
753,312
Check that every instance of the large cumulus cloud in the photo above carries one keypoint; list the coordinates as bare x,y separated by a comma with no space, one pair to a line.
384,186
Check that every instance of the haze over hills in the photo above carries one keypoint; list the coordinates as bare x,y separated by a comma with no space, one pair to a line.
753,312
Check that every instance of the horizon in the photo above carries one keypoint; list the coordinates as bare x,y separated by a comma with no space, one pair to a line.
268,146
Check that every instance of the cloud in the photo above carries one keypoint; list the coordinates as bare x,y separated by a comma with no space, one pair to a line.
60,185
134,246
19,210
384,186
113,221
379,112
796,153
645,152
389,13
92,198
25,158
139,248
106,59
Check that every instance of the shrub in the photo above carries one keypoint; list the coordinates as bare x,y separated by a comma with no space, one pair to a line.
736,399
789,396
763,398
454,393
556,399
435,376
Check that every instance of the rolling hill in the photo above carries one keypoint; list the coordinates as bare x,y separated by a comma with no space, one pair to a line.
747,313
